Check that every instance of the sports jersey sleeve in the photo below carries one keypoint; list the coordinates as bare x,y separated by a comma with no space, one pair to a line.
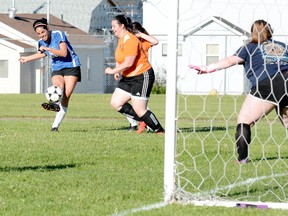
39,45
146,45
130,47
242,53
60,37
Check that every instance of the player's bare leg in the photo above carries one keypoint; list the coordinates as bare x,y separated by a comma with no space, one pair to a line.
252,110
68,83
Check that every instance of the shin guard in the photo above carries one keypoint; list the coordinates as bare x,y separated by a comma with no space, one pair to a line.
243,139
150,119
128,111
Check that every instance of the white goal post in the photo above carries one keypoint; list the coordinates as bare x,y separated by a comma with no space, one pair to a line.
200,124
170,118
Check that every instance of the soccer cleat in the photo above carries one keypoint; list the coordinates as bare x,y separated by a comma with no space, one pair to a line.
244,161
132,128
51,106
160,131
141,127
54,129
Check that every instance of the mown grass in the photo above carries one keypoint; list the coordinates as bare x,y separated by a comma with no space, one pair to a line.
93,166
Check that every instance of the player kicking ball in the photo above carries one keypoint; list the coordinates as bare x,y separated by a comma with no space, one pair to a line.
66,71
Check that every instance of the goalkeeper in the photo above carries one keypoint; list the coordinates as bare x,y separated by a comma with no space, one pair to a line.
266,66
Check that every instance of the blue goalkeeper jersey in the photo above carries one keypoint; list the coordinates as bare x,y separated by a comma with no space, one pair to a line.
264,60
58,63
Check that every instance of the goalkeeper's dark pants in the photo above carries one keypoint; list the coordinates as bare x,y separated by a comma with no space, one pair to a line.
243,139
149,118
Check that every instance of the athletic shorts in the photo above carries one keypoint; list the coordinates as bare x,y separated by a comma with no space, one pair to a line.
273,89
138,86
76,71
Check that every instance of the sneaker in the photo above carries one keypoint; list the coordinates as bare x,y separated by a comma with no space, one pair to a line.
51,106
244,161
160,131
132,128
141,127
55,129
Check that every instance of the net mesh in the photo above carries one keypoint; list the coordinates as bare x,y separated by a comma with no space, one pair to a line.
208,107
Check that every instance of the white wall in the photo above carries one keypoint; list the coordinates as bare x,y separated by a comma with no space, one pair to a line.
92,77
191,13
190,82
12,83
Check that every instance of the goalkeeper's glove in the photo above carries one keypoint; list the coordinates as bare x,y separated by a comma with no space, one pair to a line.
204,69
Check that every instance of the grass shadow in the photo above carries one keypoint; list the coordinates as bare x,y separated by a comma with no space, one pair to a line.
37,168
270,158
203,129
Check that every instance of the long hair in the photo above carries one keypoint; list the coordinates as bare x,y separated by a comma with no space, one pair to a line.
261,31
137,27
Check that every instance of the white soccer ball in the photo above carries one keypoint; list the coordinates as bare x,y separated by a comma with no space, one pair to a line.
54,94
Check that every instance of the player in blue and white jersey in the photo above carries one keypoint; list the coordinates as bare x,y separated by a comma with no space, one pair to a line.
66,71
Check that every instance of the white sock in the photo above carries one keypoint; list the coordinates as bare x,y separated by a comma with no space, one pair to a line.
132,122
59,116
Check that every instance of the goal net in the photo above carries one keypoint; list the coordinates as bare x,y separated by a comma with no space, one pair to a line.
200,146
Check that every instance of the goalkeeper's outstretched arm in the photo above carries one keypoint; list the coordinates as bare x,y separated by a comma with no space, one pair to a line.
222,64
227,62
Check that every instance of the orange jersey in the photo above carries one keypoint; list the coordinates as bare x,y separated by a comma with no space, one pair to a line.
129,45
146,45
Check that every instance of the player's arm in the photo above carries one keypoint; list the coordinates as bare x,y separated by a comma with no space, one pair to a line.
228,62
222,64
25,59
117,75
62,52
152,40
128,62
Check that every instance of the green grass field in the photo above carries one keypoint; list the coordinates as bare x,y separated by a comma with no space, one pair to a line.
93,166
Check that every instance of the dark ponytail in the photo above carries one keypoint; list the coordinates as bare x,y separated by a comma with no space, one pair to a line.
137,27
124,20
129,24
40,23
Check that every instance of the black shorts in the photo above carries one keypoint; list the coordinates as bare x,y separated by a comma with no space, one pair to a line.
138,86
76,71
273,89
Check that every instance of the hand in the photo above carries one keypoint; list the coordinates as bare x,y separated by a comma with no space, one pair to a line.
117,76
204,69
108,71
200,69
23,59
43,48
137,34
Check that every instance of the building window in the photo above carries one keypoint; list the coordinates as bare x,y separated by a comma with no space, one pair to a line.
164,49
3,68
212,53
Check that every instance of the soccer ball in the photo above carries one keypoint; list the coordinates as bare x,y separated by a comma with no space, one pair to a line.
54,94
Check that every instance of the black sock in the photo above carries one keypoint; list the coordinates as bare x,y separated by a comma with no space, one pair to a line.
128,110
150,119
243,139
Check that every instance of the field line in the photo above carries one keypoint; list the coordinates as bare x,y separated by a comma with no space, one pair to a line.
144,208
246,182
163,204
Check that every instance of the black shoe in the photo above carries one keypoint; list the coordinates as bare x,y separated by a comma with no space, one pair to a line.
55,129
133,128
51,106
